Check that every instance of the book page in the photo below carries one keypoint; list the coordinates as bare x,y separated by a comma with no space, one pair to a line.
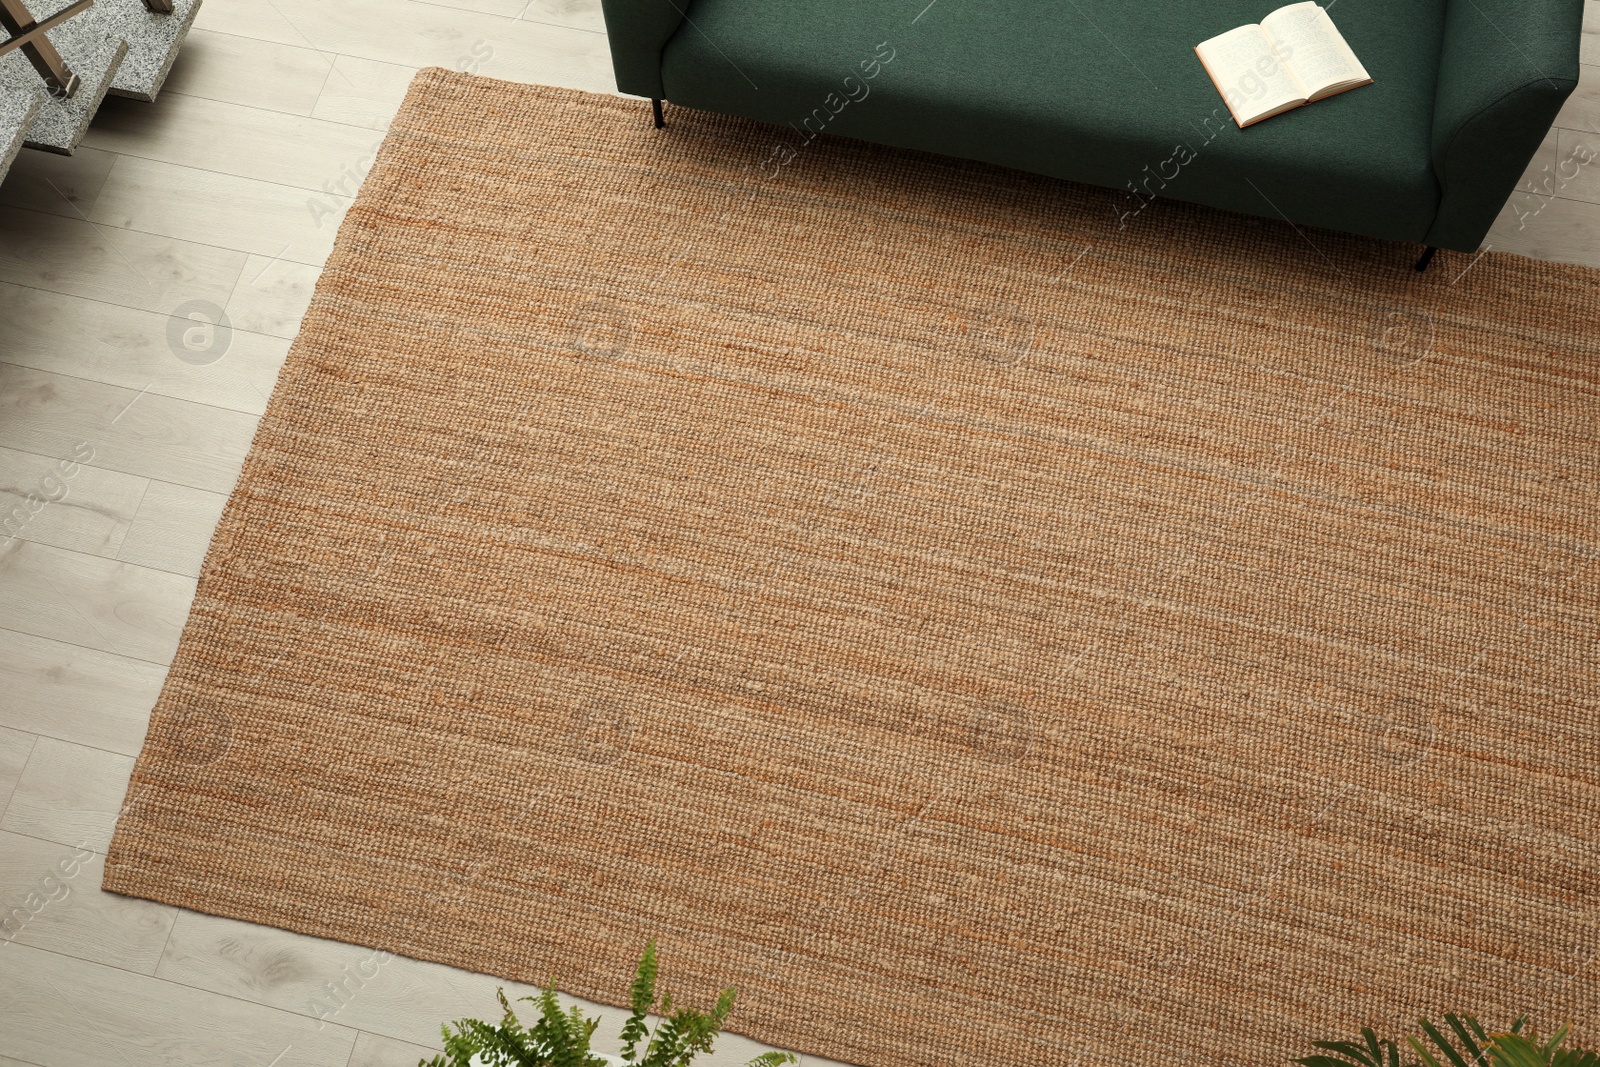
1246,70
1312,46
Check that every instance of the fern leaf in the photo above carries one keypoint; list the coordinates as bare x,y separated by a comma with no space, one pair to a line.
641,998
642,995
723,1006
664,1047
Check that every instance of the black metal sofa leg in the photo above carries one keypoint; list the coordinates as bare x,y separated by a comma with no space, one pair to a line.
1427,257
655,106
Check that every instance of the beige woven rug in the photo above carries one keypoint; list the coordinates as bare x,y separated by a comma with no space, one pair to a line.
983,633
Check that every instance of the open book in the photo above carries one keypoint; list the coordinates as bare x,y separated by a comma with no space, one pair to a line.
1296,55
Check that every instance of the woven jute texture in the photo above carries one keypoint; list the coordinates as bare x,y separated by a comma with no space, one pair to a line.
984,623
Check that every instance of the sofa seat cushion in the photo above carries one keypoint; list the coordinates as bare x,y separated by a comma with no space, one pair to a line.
1105,92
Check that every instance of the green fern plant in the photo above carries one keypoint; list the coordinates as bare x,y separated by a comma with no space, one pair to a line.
561,1038
1461,1042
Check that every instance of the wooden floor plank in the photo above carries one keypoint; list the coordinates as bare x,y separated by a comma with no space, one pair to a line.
69,794
1581,112
59,185
64,1012
173,528
363,92
15,748
99,603
399,999
272,296
394,997
140,433
71,255
53,901
1530,194
580,14
241,70
1577,172
229,138
1528,222
374,1051
412,34
76,694
196,354
196,205
60,501
1567,231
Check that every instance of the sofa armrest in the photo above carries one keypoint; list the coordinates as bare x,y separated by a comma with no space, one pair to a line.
1506,68
637,31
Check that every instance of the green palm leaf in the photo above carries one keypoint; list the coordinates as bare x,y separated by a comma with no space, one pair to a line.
1440,1040
1474,1053
1514,1050
1352,1052
1461,1042
1370,1052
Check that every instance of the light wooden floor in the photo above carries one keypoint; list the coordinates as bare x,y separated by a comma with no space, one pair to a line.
225,195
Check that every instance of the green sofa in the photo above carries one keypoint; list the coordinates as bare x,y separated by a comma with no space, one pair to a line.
1112,94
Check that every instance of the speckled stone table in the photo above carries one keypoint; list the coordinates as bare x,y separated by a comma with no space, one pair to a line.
153,41
17,108
93,46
